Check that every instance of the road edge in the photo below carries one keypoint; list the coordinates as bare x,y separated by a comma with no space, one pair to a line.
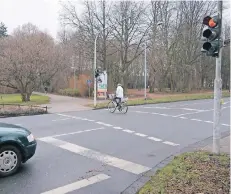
144,178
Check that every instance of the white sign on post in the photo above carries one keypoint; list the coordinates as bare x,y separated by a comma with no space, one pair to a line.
102,85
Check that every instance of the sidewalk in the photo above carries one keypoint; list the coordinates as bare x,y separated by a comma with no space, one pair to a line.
60,104
224,147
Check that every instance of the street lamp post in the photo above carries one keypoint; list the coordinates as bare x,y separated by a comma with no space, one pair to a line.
145,65
74,76
145,71
95,80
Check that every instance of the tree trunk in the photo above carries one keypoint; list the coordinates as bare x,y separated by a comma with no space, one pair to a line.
28,95
110,86
23,96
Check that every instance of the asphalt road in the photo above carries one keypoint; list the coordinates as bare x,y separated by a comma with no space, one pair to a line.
96,152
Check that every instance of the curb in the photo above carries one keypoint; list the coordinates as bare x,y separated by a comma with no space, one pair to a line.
144,178
184,100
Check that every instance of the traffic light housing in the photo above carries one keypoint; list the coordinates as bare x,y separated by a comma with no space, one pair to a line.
212,35
97,73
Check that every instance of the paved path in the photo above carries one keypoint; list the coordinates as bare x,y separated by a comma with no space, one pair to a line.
65,103
224,145
97,152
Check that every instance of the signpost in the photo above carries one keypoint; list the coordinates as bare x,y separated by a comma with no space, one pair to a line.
102,84
89,82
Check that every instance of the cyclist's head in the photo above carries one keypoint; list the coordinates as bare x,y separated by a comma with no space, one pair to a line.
119,85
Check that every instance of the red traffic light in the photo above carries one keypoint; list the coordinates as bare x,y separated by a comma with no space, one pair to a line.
211,22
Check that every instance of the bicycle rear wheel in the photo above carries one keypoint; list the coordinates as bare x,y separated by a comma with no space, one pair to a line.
124,108
112,106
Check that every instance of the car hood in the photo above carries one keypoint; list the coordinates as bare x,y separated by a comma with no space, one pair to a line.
10,128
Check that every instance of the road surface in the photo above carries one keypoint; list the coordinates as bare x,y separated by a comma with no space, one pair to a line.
96,152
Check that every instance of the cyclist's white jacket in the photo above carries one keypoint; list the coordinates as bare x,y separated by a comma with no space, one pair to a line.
119,92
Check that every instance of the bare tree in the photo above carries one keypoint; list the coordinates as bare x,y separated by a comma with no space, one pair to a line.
30,57
130,31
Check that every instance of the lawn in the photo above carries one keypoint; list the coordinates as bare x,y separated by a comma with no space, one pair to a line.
16,99
195,172
166,98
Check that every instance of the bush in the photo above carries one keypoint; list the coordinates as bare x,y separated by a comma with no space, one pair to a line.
21,112
69,92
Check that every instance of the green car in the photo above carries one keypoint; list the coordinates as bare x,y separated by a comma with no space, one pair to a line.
17,145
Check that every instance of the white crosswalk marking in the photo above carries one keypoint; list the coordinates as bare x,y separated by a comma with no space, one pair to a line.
78,185
106,159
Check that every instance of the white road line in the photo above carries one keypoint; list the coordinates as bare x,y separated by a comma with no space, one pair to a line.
164,115
170,143
91,120
77,132
225,107
156,107
106,159
141,134
84,119
105,124
202,111
117,128
73,117
61,119
183,117
100,123
195,120
208,121
141,112
226,125
79,184
154,113
128,131
154,139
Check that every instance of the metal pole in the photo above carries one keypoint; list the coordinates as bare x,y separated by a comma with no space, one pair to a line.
217,92
94,68
94,72
74,79
145,71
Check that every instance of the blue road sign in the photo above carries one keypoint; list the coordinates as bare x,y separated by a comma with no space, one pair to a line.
88,82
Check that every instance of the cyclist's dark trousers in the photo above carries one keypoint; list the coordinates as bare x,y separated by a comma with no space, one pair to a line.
118,100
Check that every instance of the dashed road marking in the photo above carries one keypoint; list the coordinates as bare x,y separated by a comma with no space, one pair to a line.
128,131
196,120
170,143
106,159
78,184
226,125
154,139
105,124
77,132
208,121
140,134
117,128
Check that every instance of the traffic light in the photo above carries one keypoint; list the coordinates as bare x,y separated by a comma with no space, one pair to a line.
97,73
212,35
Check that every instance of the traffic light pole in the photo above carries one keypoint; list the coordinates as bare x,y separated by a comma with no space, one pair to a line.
218,91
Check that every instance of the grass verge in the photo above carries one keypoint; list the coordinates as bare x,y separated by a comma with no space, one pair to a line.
195,172
16,99
168,98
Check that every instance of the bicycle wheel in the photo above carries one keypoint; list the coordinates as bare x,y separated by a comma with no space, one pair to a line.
124,108
112,106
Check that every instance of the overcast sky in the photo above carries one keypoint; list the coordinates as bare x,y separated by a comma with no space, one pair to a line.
42,13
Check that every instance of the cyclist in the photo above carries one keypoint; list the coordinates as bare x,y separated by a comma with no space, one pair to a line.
119,94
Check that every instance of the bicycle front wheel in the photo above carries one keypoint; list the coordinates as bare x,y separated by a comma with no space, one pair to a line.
124,108
112,106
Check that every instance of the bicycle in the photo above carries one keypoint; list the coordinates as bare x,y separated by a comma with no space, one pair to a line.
112,105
